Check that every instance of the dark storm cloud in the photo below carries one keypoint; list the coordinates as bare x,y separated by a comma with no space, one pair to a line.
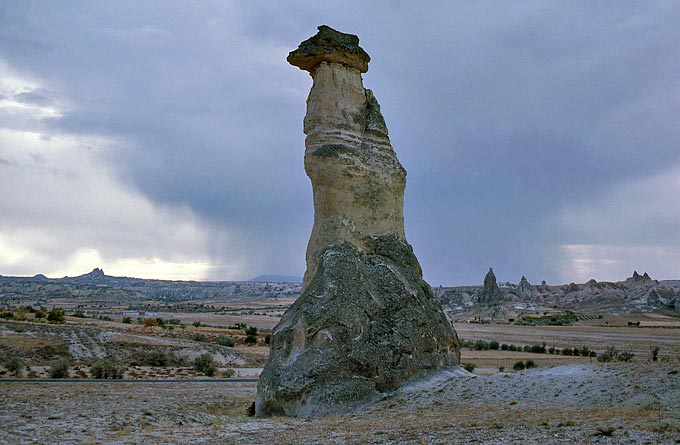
502,113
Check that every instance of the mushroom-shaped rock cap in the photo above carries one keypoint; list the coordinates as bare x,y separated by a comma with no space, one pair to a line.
329,45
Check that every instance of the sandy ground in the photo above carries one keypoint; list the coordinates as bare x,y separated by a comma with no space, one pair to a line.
576,403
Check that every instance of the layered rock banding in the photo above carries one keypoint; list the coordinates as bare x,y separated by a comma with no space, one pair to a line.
366,322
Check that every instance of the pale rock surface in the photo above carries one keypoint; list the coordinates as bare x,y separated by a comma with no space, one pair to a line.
366,321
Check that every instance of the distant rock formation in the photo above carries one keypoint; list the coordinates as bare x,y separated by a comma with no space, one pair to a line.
525,288
366,322
490,294
639,278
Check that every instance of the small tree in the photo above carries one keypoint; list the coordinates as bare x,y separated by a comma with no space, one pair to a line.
15,366
205,364
56,315
519,366
59,368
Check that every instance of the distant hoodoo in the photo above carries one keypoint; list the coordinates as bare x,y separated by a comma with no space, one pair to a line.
490,294
366,321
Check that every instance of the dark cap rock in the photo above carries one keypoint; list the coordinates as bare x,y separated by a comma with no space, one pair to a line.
329,45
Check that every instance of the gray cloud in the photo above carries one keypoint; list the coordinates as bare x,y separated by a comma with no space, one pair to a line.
504,116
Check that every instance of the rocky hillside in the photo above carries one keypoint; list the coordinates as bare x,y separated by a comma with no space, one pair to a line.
639,293
97,286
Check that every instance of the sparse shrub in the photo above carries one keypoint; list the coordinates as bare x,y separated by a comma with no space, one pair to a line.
250,340
104,317
537,349
57,316
161,358
226,340
40,314
501,369
198,336
104,368
59,368
626,356
655,353
8,315
15,365
160,322
205,364
127,320
228,373
481,345
611,354
197,324
518,366
252,330
149,322
469,367
529,364
79,314
493,344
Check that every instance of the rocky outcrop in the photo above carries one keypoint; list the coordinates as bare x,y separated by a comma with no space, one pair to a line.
525,289
366,322
639,278
490,294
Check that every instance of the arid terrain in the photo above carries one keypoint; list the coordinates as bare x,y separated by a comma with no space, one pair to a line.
529,383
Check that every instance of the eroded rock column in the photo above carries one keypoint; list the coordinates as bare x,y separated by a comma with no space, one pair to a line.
366,322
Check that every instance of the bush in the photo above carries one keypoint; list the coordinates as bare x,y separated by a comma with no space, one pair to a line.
39,314
198,336
519,366
493,344
469,367
226,340
267,339
8,315
59,368
251,339
197,324
106,369
159,358
611,354
205,364
127,320
15,365
529,364
250,330
56,315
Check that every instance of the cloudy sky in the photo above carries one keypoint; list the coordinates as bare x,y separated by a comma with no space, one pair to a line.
164,139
